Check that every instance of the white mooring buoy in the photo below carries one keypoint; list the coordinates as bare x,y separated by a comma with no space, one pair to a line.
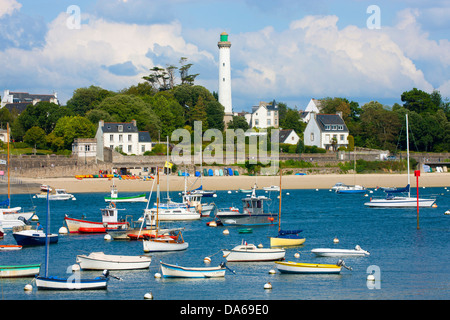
148,296
28,287
268,286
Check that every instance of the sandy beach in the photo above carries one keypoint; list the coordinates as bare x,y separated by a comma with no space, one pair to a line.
176,183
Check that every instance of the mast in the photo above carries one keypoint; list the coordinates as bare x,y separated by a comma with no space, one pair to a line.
157,200
47,239
279,208
9,188
407,154
167,171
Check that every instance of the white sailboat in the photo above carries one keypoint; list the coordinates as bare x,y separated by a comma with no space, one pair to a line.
394,201
158,242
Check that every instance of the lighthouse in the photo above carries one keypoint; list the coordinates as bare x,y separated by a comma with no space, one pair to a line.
225,76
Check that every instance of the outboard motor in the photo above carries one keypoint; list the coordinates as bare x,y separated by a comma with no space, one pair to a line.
24,220
341,263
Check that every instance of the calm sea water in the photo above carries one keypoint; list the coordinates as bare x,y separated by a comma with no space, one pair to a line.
412,264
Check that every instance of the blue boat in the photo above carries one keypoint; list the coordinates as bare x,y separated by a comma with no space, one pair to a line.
34,238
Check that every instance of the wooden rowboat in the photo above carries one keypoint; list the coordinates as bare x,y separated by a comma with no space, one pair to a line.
19,271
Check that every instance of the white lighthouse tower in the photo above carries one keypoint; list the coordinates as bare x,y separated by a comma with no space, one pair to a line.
225,76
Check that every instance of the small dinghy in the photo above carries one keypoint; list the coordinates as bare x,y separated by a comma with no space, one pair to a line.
249,252
101,261
327,252
176,271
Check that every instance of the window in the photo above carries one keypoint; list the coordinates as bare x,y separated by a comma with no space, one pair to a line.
111,146
312,136
268,113
334,127
223,79
268,122
342,137
327,127
87,147
129,137
223,64
120,128
120,138
340,127
256,122
143,150
129,148
111,137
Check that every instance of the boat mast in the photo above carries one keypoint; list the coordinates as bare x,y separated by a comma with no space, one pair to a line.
407,154
167,171
157,200
279,207
8,137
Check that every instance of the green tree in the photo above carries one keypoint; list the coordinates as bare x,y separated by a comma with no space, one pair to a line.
35,136
85,99
214,114
292,121
73,127
43,115
198,113
419,101
238,122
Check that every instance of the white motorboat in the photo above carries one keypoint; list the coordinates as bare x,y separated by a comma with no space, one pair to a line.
327,252
249,252
101,261
172,211
15,213
60,194
114,197
272,188
10,223
176,271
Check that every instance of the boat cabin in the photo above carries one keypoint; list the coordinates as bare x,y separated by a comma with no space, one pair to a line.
109,214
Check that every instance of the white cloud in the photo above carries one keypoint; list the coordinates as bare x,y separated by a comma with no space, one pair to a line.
94,54
315,58
7,7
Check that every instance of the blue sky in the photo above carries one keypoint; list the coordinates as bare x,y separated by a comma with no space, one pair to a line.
286,50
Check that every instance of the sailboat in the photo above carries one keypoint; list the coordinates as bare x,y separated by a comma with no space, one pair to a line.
158,242
285,237
15,212
394,201
47,282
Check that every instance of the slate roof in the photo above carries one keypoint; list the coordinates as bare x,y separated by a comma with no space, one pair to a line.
144,136
284,134
113,127
330,119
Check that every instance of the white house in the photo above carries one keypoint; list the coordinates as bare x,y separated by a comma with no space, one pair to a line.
122,135
264,116
327,131
84,149
289,136
20,100
314,106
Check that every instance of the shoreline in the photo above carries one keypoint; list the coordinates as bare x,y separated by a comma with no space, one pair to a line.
176,183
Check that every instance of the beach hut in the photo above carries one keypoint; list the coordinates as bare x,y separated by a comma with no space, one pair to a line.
216,172
205,172
230,172
236,173
210,172
220,172
198,173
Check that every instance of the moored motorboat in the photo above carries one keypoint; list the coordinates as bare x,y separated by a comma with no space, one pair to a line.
176,271
101,261
114,197
32,237
110,221
60,194
332,252
301,267
249,252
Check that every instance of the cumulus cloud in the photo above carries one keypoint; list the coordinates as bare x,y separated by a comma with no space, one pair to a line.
315,58
108,54
7,7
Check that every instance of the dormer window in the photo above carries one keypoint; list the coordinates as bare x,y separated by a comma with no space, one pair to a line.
120,128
